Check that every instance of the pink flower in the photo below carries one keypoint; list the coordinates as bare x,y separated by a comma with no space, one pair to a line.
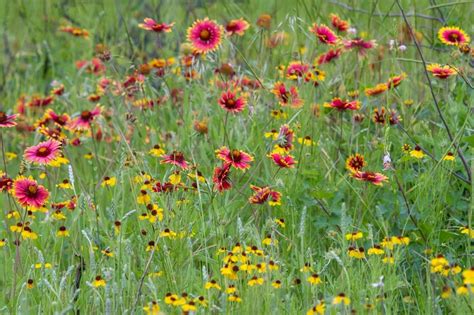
44,152
329,56
29,193
231,103
287,96
324,34
221,178
205,35
283,161
7,121
152,25
175,158
236,27
360,45
236,158
374,178
84,120
340,104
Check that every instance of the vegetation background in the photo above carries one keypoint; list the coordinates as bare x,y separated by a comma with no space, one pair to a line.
320,202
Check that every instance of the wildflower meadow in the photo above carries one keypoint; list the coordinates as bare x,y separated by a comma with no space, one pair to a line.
236,157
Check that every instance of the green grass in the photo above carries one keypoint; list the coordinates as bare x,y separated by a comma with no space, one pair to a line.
427,200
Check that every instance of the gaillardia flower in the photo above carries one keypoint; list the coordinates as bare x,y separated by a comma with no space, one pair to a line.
44,152
7,121
374,178
287,96
441,72
221,178
236,158
152,25
205,35
453,36
355,162
29,193
283,161
84,120
236,27
175,158
340,104
324,34
231,103
338,23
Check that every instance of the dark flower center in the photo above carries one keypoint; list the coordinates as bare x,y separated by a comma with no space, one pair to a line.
205,35
32,189
236,155
3,117
43,152
86,115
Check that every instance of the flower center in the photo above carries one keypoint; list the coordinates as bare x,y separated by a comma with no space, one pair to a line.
43,151
204,35
3,117
86,115
33,189
236,156
230,102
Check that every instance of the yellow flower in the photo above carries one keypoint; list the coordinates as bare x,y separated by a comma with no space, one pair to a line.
388,260
43,175
175,178
376,250
468,276
417,153
27,233
400,240
234,298
276,284
307,141
60,160
13,214
354,236
306,268
341,299
280,222
269,241
107,252
464,290
449,157
231,289
175,300
467,230
446,292
46,266
65,184
387,243
438,263
143,198
189,307
255,281
212,285
58,215
98,282
30,284
109,181
314,279
89,156
273,134
157,151
168,233
62,232
10,155
272,265
3,242
319,309
152,308
357,253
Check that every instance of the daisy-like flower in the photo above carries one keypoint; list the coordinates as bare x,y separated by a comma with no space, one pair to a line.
338,23
283,161
449,156
236,27
375,178
236,158
175,158
231,103
360,45
29,193
43,153
395,81
7,121
376,90
221,178
329,56
441,72
152,25
98,282
84,120
287,96
263,194
75,31
340,104
417,153
324,34
453,36
205,35
296,69
355,162
318,309
341,298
